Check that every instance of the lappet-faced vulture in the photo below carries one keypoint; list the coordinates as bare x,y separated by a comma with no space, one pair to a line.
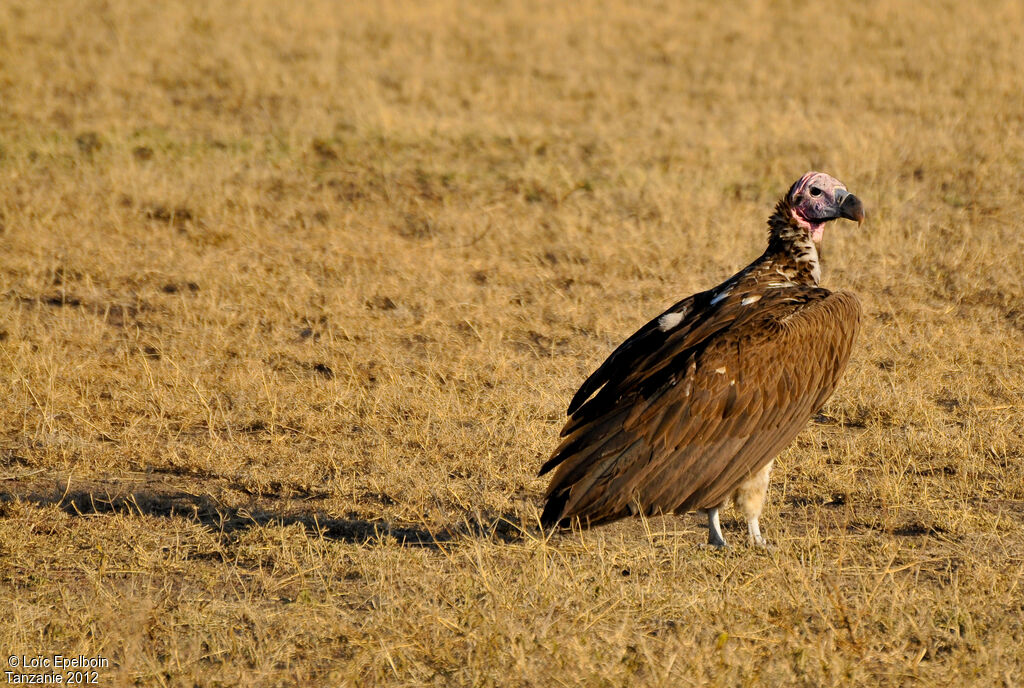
691,410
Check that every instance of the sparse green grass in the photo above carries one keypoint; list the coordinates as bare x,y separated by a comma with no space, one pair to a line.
292,300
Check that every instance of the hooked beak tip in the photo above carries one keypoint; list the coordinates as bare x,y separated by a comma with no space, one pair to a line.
852,209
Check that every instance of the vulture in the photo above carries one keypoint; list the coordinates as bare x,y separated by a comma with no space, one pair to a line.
690,411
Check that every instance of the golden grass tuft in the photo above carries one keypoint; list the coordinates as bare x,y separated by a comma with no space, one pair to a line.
294,296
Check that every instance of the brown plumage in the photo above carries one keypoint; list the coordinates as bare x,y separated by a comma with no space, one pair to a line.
692,409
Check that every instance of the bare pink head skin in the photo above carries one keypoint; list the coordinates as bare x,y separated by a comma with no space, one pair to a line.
817,198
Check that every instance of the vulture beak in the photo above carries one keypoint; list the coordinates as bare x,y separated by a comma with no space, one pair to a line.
850,206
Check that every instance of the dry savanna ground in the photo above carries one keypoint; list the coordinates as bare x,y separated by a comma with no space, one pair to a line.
293,297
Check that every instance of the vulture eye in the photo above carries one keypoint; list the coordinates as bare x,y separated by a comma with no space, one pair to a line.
815,191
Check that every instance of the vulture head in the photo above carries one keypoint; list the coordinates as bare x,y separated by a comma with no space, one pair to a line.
817,198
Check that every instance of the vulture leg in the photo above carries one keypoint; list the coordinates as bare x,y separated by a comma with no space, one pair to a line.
754,533
750,499
715,538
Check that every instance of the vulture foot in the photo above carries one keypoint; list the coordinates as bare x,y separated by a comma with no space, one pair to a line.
716,546
715,538
754,535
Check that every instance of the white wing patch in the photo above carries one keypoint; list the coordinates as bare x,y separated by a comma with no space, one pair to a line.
753,298
721,295
670,320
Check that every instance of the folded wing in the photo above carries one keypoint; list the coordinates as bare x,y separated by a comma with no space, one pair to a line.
698,400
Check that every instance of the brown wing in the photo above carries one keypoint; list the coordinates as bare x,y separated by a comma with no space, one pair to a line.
697,409
640,345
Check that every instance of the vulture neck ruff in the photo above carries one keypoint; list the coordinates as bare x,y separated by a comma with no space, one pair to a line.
792,245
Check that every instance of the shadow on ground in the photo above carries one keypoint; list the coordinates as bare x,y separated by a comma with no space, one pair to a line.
146,494
167,502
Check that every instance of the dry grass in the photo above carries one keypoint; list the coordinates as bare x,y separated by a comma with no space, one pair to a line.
289,292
